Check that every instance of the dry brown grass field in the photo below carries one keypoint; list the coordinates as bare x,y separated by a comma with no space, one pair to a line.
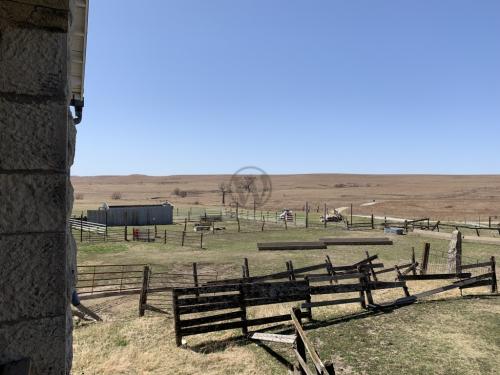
436,196
445,334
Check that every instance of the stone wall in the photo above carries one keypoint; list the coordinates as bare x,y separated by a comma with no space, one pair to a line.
37,137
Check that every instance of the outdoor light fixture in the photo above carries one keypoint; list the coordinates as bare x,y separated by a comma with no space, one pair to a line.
78,47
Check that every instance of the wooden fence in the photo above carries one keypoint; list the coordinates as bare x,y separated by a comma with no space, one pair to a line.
482,268
303,346
234,296
423,223
234,299
476,228
227,300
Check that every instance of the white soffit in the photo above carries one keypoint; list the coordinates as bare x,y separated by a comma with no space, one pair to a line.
78,47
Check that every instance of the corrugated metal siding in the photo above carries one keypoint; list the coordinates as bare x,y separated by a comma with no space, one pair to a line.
120,216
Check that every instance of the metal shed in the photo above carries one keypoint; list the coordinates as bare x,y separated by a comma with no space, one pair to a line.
114,216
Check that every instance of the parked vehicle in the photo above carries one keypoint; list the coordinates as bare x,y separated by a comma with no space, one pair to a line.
334,216
286,215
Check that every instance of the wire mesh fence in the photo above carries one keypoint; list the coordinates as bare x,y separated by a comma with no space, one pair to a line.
441,262
161,283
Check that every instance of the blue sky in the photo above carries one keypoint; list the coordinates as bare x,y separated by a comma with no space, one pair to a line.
201,87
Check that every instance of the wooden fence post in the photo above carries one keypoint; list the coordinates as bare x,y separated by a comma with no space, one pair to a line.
351,214
458,255
201,240
413,261
361,292
185,224
125,233
330,270
373,222
243,308
308,299
366,285
81,227
165,237
175,310
494,286
299,344
182,239
247,270
288,270
143,298
307,215
149,235
372,270
324,216
400,277
329,368
156,231
106,229
292,273
195,278
425,259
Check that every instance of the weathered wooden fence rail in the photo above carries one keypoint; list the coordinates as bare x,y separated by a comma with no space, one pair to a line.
303,346
476,228
233,297
239,294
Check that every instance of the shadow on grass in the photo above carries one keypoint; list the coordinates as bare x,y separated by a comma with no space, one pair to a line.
285,329
210,347
221,345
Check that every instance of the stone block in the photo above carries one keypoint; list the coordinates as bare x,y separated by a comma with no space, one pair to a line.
33,202
71,263
53,4
33,278
33,62
34,136
41,340
34,15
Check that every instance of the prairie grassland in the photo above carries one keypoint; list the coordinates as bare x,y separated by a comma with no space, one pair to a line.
446,335
438,197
